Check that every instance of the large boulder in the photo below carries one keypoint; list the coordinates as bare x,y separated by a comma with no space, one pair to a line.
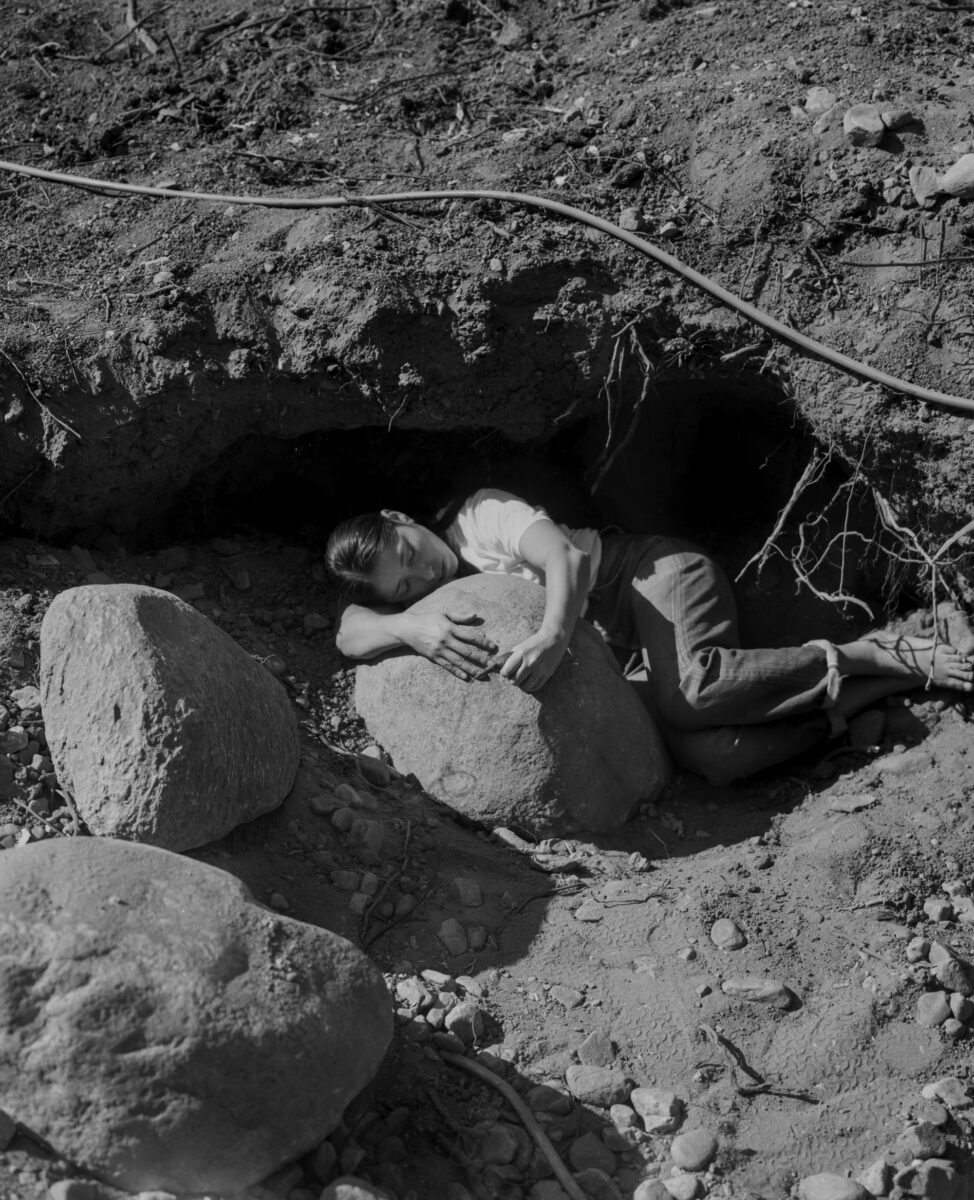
582,753
163,729
164,1031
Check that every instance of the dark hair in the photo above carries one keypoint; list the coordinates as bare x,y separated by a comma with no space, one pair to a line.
353,549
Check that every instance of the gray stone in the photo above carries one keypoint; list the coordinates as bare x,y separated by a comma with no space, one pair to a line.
467,892
761,991
590,1151
694,1150
917,950
451,934
863,126
349,1187
921,1140
660,1110
962,1007
925,183
597,1185
651,1189
958,180
933,1179
938,954
547,1098
819,100
466,1021
877,1177
953,1092
163,729
831,1187
954,1029
937,909
727,934
582,753
596,1050
547,1189
599,1086
683,1187
932,1009
956,976
206,1040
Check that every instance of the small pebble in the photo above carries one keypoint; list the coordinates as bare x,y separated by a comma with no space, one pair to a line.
761,991
831,1187
918,949
566,996
922,1140
589,910
660,1110
863,126
453,937
694,1150
683,1187
599,1086
938,910
932,1009
467,1022
727,935
467,892
596,1050
590,1151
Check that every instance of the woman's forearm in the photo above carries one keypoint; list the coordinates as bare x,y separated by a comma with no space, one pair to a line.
567,576
366,633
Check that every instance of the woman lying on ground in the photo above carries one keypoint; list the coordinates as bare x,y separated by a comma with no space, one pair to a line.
725,711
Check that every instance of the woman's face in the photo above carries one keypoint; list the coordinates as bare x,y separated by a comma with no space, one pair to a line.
413,564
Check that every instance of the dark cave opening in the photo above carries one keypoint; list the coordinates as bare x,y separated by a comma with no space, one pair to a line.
711,460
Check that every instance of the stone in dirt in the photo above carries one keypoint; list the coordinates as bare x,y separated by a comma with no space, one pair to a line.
600,1086
921,1140
956,976
590,1151
206,1040
597,1185
933,1179
683,1187
661,1111
160,726
582,753
925,182
831,1187
761,991
959,179
876,1178
596,1050
727,934
819,100
349,1187
932,1009
694,1150
863,126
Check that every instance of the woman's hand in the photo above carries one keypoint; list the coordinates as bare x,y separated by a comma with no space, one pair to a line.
446,639
532,662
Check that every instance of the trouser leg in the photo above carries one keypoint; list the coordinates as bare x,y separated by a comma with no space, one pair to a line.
686,620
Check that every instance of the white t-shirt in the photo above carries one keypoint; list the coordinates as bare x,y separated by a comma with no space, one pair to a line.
487,532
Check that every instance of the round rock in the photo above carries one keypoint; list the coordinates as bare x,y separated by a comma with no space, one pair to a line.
694,1150
600,1086
166,1032
831,1187
727,935
162,728
932,1009
583,753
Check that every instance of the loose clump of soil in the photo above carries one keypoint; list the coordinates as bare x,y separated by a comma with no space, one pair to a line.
163,353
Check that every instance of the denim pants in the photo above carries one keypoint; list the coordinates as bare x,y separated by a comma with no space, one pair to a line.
668,599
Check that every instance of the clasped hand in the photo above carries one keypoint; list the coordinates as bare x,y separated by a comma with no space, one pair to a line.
533,662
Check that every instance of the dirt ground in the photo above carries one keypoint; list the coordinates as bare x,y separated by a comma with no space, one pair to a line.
173,372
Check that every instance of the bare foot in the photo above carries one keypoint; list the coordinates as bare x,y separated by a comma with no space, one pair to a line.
919,659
